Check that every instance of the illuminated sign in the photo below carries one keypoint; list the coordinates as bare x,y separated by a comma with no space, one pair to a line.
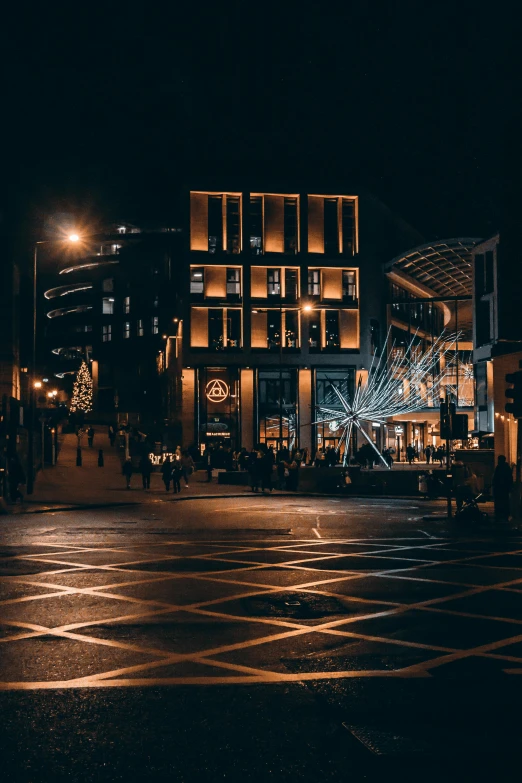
399,430
159,459
217,390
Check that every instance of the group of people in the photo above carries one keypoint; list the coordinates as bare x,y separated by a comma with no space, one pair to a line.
179,466
266,466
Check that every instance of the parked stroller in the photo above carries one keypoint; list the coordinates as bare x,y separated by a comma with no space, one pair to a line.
470,513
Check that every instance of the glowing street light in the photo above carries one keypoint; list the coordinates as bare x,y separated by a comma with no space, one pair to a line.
37,384
74,238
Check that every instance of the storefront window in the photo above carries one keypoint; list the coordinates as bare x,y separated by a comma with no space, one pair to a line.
277,401
330,433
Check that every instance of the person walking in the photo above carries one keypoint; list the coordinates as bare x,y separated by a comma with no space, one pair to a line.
293,475
177,472
502,485
281,470
267,462
90,436
410,454
146,470
112,434
127,472
16,476
187,466
440,454
166,473
427,454
253,469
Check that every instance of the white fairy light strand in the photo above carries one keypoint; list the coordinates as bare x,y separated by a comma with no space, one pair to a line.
406,384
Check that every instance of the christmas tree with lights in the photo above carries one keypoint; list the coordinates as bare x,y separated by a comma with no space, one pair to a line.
82,391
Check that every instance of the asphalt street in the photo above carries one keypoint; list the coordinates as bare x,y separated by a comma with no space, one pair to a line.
291,638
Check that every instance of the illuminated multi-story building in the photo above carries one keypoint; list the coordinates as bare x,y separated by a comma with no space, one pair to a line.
284,299
497,341
430,291
113,301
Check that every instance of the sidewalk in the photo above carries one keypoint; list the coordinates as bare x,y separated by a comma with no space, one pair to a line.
68,486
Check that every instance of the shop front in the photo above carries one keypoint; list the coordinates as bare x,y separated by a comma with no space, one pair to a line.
277,408
330,386
218,408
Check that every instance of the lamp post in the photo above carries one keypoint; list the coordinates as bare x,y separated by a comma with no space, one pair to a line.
73,238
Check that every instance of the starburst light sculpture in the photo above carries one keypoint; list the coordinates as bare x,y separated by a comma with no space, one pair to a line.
409,382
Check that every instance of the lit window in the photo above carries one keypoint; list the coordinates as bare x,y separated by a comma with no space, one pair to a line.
196,280
155,324
233,282
107,333
108,305
126,305
273,282
122,230
126,330
155,303
314,282
108,284
139,328
349,285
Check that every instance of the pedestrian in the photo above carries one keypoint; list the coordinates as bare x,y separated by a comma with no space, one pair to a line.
166,473
265,467
293,475
464,483
90,435
16,476
243,459
427,454
253,469
146,470
177,472
440,454
187,466
502,485
281,469
410,453
127,472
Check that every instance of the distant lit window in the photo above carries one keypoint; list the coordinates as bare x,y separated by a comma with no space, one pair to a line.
314,282
274,282
349,284
108,305
155,324
106,333
121,229
233,282
126,330
196,280
108,284
139,328
126,305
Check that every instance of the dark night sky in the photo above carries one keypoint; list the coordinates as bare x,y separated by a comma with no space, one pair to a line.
113,111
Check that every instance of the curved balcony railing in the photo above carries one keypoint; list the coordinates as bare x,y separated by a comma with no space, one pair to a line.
63,290
67,310
88,265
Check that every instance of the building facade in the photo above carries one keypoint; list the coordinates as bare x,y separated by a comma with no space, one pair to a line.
113,302
430,292
497,341
284,301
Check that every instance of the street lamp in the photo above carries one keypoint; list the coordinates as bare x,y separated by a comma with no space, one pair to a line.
72,238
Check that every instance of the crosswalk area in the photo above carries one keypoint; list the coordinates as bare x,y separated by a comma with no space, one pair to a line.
258,610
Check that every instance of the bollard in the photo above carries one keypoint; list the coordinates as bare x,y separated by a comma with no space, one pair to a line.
100,458
78,458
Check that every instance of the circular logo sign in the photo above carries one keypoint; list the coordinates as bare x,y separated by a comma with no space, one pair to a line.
216,390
